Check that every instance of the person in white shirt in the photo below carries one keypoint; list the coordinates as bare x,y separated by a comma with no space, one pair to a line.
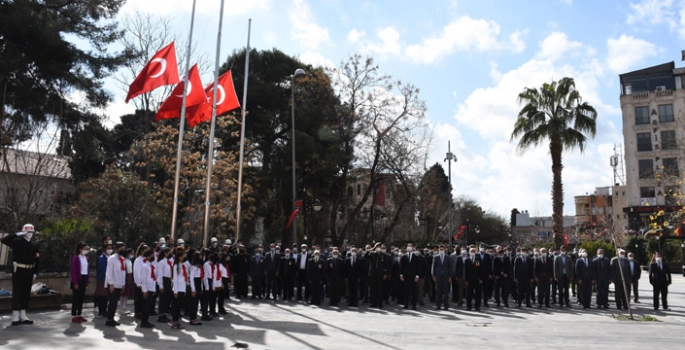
225,270
196,286
115,279
163,273
181,278
148,285
138,293
208,294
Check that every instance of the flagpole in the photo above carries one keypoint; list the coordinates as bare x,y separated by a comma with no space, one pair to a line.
242,134
210,152
181,128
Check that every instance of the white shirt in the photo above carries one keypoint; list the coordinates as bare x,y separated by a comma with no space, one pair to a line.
115,275
163,270
208,274
147,282
180,280
137,266
303,261
194,273
84,264
129,265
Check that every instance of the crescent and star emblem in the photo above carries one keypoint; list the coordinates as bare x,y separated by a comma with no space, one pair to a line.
222,95
190,88
162,62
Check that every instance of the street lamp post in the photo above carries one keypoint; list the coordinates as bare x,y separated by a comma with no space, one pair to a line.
450,156
298,71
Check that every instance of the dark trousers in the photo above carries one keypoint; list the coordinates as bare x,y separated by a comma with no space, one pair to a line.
165,298
334,288
602,293
113,302
137,301
364,289
442,292
523,291
585,292
662,290
271,290
488,288
543,291
563,290
635,283
352,292
101,303
376,286
317,291
257,284
223,293
176,302
473,291
22,279
411,295
287,287
620,294
148,306
240,285
79,295
502,290
302,282
193,301
555,288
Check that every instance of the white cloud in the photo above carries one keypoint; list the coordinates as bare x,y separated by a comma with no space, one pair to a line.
626,51
389,42
304,26
354,35
556,46
653,11
464,34
316,59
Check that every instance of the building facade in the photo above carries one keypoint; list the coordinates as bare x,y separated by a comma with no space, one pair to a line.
653,111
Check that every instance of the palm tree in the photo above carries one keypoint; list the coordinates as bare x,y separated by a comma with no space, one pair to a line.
555,113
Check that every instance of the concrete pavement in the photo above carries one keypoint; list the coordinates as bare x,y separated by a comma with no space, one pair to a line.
283,325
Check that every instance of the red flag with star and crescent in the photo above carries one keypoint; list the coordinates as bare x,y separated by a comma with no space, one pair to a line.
227,100
194,96
159,71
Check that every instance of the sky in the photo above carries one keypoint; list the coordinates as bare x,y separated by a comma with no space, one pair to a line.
470,60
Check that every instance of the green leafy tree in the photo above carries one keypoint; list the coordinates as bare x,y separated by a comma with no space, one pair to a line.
57,240
555,114
41,68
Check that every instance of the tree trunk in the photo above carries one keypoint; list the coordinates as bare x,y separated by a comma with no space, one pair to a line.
556,148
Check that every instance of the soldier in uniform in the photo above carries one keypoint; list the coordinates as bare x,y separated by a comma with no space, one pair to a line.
25,269
336,273
316,274
240,265
379,268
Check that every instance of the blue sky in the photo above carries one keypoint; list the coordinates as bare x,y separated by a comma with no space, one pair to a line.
470,59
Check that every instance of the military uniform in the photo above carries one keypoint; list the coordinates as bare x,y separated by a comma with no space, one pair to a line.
336,273
25,269
379,268
316,274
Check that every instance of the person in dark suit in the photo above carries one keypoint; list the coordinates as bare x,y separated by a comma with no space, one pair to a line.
353,275
544,273
601,274
410,273
379,269
442,276
257,272
620,274
316,273
301,266
660,279
288,270
459,276
563,274
397,283
635,272
335,275
500,270
272,265
523,275
486,274
584,277
240,265
472,279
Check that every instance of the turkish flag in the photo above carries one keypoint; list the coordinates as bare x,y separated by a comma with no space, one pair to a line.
226,100
174,102
292,217
161,70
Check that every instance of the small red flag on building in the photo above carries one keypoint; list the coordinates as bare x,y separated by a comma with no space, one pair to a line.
159,71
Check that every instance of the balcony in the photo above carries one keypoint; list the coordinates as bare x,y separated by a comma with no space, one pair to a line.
643,95
664,93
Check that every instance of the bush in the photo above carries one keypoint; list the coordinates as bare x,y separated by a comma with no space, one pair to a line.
670,250
57,242
637,246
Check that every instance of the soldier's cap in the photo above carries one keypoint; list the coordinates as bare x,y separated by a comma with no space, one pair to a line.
500,250
378,244
303,245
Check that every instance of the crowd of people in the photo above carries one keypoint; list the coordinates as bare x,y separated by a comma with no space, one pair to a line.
170,280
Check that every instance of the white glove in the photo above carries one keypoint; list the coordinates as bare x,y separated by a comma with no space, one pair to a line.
34,276
19,234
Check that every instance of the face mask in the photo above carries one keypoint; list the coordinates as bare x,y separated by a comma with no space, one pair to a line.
658,259
473,255
409,249
563,253
109,242
287,256
623,256
335,256
353,253
278,251
316,257
544,255
630,258
463,253
523,255
482,250
378,250
537,254
442,252
600,255
584,255
28,236
109,251
273,250
84,252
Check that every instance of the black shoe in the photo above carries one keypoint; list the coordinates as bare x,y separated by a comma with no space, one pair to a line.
486,305
206,318
406,307
437,307
196,323
223,312
163,319
26,322
108,323
478,309
637,301
506,304
468,308
147,324
153,313
413,307
446,308
17,323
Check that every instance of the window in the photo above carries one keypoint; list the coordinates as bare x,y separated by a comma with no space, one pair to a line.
646,169
350,191
647,192
672,195
671,166
668,140
644,142
641,115
665,113
359,190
